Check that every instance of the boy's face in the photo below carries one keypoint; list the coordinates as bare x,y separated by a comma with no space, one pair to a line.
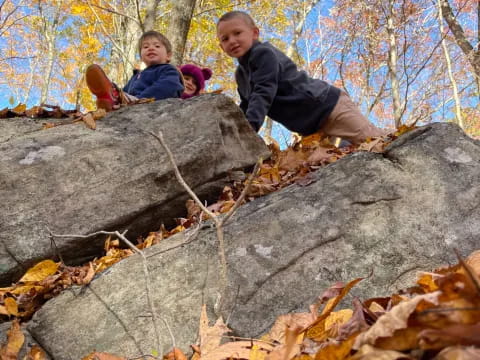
236,36
154,52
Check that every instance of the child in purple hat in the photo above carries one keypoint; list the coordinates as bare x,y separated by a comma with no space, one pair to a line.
194,79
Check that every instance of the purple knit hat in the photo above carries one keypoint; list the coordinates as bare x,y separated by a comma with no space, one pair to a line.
200,75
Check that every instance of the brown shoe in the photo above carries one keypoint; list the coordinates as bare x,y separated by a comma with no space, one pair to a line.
99,84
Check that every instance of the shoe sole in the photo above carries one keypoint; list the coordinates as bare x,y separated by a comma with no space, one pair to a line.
100,86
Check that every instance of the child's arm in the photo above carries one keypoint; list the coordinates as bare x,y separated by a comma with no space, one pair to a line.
264,67
166,85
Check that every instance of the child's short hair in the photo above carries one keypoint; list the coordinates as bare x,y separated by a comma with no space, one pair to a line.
237,14
155,34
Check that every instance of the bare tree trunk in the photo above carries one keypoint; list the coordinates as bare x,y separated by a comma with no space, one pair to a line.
151,15
299,18
49,33
392,64
458,109
473,56
179,25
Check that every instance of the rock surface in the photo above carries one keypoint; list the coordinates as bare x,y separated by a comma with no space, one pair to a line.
389,214
73,180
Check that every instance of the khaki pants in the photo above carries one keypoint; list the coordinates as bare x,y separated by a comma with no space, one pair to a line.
347,122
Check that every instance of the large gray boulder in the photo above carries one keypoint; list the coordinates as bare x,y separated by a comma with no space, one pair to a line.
73,180
394,214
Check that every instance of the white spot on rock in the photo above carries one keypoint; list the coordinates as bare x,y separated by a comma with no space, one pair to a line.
457,155
451,240
47,153
264,251
241,251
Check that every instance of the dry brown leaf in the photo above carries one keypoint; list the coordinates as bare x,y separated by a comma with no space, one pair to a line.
473,260
278,331
291,160
90,274
89,121
236,350
368,352
320,153
175,354
15,340
458,353
19,109
40,271
375,145
36,353
11,306
356,324
401,340
452,335
335,294
102,356
210,336
393,320
193,209
336,351
257,189
335,320
98,114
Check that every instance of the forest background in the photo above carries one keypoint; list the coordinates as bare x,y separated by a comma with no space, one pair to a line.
402,61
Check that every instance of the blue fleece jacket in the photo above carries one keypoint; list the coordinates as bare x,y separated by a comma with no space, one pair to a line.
159,81
269,83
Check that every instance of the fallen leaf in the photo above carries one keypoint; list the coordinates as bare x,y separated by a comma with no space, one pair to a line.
15,340
40,271
334,294
102,356
319,155
473,260
278,331
89,121
401,340
368,352
393,320
11,306
356,323
90,274
452,335
374,145
458,353
236,350
98,114
336,351
175,354
210,336
36,353
19,109
335,320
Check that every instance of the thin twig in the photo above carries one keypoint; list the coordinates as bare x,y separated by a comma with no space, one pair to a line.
179,177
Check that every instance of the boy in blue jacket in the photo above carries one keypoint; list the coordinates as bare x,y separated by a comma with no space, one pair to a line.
269,83
160,80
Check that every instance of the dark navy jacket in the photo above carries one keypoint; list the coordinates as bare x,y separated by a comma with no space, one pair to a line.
159,81
269,83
